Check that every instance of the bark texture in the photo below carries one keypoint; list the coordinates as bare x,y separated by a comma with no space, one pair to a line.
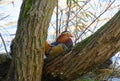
28,47
91,52
29,43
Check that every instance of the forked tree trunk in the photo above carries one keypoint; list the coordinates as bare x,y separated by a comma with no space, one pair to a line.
91,52
28,45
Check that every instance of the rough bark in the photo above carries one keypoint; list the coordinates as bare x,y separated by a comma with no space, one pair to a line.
91,52
28,45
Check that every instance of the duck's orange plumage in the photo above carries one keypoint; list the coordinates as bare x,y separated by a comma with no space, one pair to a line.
65,38
47,47
52,50
63,43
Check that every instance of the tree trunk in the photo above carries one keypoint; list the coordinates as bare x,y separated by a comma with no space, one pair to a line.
91,52
28,45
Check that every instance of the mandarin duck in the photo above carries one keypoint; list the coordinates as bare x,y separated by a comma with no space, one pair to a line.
64,38
54,50
62,43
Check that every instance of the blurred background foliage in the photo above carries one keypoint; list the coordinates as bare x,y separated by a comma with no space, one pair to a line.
80,17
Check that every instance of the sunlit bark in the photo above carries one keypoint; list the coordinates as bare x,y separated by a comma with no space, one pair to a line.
28,45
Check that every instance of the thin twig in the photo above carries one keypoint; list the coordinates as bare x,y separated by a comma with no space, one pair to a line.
8,55
4,17
68,16
57,20
94,20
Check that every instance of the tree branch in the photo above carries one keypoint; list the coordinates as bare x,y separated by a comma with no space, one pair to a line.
91,52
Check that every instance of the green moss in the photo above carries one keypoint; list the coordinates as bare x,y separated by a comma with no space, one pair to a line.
84,42
85,79
27,7
106,25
